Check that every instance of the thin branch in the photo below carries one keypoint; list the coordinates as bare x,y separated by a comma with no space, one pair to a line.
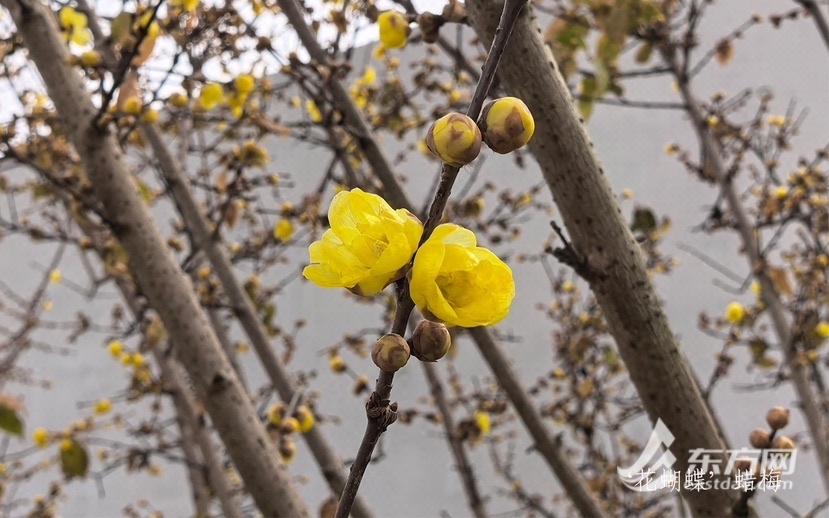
470,487
818,17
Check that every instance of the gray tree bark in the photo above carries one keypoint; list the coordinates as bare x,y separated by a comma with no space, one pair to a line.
613,263
161,280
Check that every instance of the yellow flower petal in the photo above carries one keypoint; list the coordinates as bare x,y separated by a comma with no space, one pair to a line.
367,245
460,283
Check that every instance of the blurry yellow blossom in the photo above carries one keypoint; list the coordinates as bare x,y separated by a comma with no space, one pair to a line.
55,276
367,245
133,105
822,329
369,76
186,5
483,421
458,282
115,348
735,312
149,116
394,29
283,230
244,84
103,406
305,418
211,95
137,359
781,192
337,364
276,412
777,120
40,437
313,110
75,24
91,59
712,121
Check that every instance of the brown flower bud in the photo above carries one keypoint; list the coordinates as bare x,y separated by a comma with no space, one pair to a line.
778,417
287,449
760,438
390,353
430,25
454,139
506,124
782,443
430,341
328,509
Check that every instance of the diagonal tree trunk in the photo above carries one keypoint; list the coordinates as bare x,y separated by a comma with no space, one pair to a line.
166,287
612,262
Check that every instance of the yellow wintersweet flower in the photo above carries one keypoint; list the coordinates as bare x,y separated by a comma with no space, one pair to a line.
103,406
283,230
55,276
367,245
116,347
75,25
822,329
313,111
211,95
459,282
244,84
394,29
40,437
483,421
735,312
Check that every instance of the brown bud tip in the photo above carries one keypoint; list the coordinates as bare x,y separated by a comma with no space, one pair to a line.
328,509
430,341
390,353
760,438
778,417
782,443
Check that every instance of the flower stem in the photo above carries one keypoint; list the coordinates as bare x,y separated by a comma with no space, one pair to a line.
379,411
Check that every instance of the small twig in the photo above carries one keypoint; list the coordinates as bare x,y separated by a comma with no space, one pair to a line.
476,503
569,256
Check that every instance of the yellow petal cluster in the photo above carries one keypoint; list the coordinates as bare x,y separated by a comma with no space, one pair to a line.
367,245
459,282
394,29
211,95
735,312
74,23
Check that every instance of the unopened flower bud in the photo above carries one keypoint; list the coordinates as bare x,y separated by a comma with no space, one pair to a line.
289,425
507,124
430,341
778,417
390,353
782,443
287,449
430,25
455,139
760,438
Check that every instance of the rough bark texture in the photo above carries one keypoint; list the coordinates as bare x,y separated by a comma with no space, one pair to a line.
330,464
617,275
157,273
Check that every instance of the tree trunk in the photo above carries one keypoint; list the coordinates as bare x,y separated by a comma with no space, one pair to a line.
161,280
612,264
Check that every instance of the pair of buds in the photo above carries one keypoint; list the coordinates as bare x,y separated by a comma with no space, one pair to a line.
506,124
